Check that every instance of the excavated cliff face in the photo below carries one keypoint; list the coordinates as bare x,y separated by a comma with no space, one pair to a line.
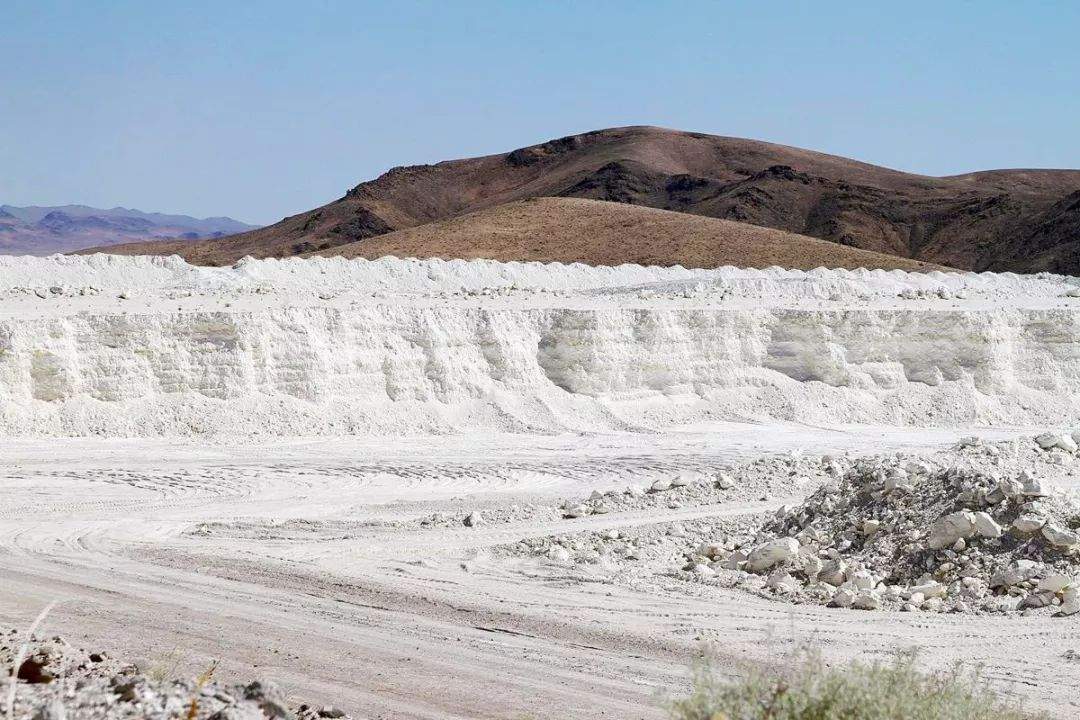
133,346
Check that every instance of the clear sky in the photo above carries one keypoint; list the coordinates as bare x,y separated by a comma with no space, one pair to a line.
262,109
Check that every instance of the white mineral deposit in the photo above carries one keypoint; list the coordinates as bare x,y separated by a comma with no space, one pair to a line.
422,488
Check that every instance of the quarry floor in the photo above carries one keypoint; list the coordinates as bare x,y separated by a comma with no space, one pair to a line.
305,561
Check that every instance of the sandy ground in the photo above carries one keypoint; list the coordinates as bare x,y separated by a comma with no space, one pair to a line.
305,561
269,465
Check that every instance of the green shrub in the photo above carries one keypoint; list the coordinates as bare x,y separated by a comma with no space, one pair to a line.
810,690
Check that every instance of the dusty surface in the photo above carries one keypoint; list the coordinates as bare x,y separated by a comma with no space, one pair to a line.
353,478
318,564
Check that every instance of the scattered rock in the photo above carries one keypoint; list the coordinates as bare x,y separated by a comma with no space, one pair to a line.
958,538
772,553
986,526
1029,523
1060,536
947,530
270,699
97,687
576,511
1055,583
1061,441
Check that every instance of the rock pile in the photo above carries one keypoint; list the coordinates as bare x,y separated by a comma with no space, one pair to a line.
641,551
910,535
58,681
758,480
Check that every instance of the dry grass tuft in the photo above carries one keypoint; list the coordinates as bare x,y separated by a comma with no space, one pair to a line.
20,656
811,690
200,683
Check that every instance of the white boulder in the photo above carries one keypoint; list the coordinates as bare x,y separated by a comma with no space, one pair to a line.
866,600
682,480
1061,441
1059,536
985,525
947,529
559,554
771,554
1028,523
929,590
703,571
1055,583
735,561
834,572
781,580
842,598
863,580
1018,572
1070,602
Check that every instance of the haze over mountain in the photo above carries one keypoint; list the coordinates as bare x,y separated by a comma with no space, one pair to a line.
41,230
1019,220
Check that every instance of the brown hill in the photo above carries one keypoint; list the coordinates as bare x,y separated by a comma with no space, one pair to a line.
1023,220
604,233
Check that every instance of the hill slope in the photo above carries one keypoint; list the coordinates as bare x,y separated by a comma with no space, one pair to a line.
39,230
603,233
1005,220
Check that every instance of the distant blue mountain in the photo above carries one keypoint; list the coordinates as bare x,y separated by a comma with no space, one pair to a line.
41,230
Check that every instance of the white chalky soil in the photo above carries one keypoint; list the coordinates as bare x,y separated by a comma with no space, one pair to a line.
273,465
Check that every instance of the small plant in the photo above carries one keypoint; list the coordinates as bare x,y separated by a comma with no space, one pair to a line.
166,667
13,683
200,683
810,690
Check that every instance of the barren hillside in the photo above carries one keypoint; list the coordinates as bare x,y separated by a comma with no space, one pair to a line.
605,233
1022,220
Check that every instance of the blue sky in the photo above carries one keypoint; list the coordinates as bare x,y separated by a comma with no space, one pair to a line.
262,109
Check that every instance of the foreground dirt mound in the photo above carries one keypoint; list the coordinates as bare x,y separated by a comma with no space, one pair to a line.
606,233
57,680
1019,220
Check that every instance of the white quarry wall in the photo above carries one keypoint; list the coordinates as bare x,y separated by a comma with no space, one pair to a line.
403,369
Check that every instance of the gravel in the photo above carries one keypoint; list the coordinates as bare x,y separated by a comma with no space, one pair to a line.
977,531
57,681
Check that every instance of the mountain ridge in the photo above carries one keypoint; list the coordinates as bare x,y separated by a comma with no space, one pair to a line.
1020,220
44,229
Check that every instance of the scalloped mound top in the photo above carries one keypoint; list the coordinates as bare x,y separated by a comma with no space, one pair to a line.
65,275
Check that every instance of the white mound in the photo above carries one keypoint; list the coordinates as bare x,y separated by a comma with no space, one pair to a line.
106,345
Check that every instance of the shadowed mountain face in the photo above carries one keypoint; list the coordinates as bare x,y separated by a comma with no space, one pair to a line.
45,230
1020,220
